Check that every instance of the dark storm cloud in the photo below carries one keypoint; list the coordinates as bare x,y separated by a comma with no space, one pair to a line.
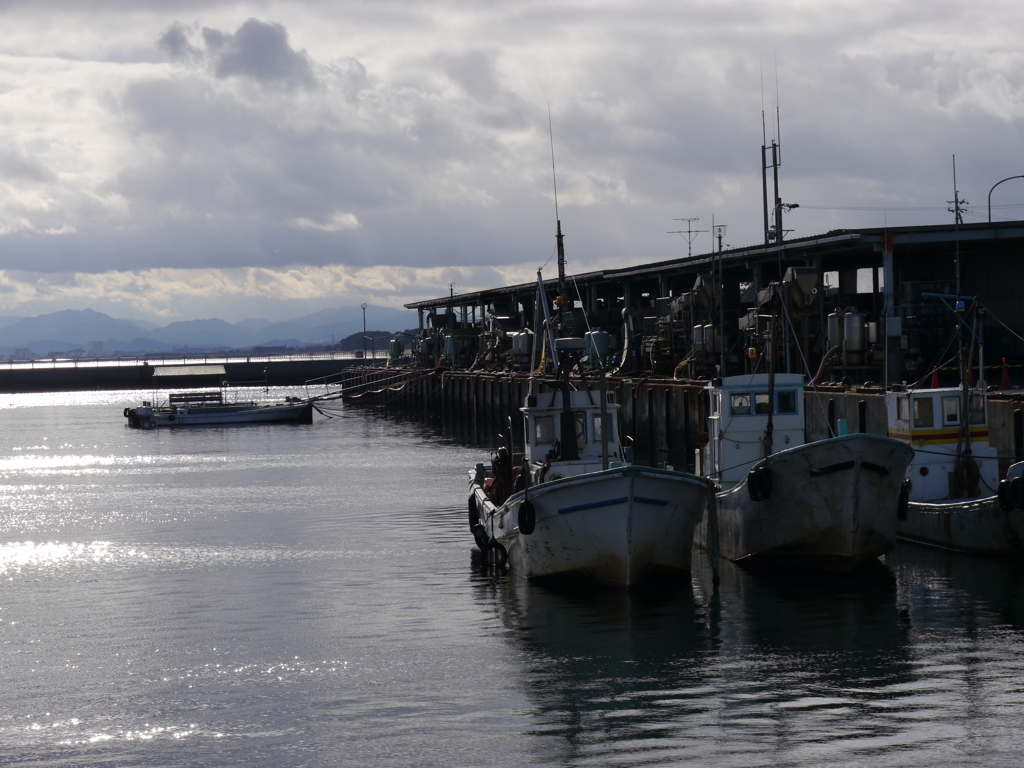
261,51
257,50
176,45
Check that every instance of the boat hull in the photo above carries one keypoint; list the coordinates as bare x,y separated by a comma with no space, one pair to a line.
620,526
833,505
151,418
979,526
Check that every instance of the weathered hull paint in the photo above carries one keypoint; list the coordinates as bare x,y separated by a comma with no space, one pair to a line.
833,506
979,526
620,526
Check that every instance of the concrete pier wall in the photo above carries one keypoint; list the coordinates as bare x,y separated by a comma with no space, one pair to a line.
41,377
664,417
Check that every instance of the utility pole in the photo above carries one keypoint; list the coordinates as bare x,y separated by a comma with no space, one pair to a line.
691,234
363,305
956,202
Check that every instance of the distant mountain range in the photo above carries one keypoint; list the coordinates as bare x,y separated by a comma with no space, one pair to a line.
74,329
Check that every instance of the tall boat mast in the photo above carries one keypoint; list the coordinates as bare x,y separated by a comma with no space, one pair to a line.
568,448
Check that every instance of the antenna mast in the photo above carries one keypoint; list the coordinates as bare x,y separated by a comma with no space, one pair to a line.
558,229
774,230
691,234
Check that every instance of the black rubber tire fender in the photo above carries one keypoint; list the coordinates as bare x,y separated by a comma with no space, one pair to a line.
481,537
1017,493
1003,494
754,485
527,518
759,483
474,511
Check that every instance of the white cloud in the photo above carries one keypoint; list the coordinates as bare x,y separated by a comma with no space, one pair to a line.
338,222
323,150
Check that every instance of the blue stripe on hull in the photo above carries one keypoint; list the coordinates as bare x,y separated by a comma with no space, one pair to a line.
593,505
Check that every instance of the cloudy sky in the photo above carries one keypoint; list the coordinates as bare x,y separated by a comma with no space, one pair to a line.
179,160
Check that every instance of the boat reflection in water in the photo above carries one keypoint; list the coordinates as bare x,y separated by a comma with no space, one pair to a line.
773,668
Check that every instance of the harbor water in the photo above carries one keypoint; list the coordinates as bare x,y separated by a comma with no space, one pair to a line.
308,595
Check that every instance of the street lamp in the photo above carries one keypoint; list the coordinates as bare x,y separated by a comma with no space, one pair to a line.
990,194
363,305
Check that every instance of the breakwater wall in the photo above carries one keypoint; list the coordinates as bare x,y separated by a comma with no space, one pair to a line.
63,377
663,417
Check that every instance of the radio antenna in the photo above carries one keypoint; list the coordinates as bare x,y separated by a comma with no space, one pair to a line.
554,178
778,121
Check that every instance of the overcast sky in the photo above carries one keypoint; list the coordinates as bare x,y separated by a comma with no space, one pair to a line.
179,160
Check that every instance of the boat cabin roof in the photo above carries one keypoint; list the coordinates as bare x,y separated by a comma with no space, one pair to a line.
170,371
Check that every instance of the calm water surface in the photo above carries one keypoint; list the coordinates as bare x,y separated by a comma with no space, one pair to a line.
308,596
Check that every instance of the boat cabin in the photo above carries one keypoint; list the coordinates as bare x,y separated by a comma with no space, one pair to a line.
542,414
932,421
738,418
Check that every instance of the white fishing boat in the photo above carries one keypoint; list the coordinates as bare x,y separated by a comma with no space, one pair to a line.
571,506
211,407
957,500
576,507
828,504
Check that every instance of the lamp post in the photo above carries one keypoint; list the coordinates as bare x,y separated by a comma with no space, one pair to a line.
990,194
363,305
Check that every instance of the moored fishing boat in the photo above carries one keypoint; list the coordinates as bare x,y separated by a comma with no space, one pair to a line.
830,504
573,507
957,500
212,406
576,507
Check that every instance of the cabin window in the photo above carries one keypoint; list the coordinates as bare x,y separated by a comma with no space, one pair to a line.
950,411
923,416
761,403
977,409
598,434
716,404
786,401
903,408
740,402
581,428
544,429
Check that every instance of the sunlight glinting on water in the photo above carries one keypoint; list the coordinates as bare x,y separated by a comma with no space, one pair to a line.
312,595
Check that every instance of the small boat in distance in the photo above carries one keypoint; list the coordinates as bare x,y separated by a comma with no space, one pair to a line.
830,504
571,506
212,406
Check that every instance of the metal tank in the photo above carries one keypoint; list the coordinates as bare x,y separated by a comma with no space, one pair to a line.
596,346
853,338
